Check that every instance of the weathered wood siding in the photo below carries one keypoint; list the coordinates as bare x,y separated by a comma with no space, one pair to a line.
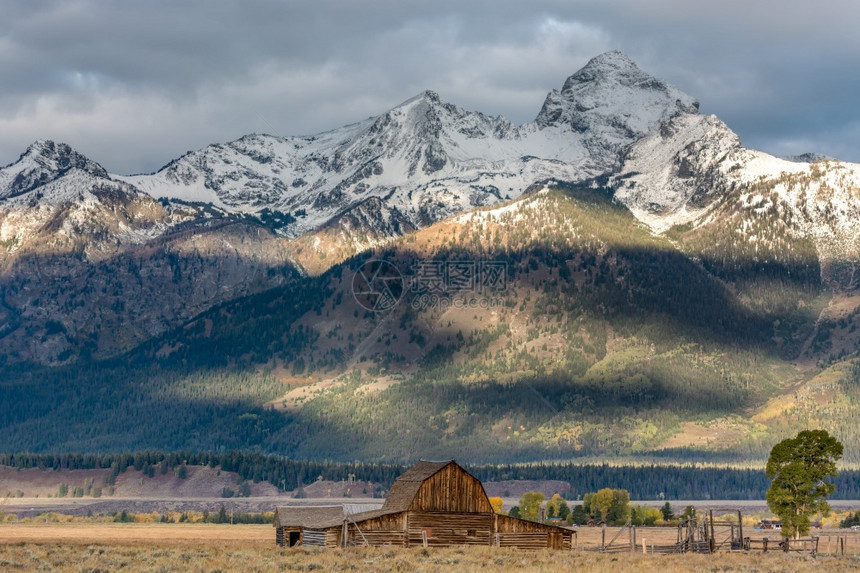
514,532
508,524
314,537
392,522
376,537
531,540
450,528
451,489
382,530
333,536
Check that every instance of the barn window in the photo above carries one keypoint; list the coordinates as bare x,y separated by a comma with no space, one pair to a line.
472,532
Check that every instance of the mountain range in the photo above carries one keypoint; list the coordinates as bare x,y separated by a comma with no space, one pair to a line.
663,290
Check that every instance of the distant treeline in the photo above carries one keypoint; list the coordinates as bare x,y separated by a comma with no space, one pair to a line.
284,473
644,482
653,482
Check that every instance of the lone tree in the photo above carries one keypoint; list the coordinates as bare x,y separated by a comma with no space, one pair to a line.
797,468
667,512
530,503
611,505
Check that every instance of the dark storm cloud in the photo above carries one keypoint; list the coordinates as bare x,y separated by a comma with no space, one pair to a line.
135,84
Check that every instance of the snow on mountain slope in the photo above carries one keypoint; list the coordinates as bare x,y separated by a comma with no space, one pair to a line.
53,197
82,255
824,198
41,163
430,159
695,172
668,176
425,160
611,103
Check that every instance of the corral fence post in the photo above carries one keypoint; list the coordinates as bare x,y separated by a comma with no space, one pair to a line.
744,546
711,541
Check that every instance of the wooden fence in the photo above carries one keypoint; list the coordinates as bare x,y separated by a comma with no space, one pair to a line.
709,536
816,545
805,545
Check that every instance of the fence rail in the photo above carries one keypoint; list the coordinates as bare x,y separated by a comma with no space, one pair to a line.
806,544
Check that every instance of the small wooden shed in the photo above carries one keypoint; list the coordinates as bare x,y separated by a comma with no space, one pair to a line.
431,504
305,525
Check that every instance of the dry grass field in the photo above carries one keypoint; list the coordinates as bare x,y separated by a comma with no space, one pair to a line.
207,547
138,534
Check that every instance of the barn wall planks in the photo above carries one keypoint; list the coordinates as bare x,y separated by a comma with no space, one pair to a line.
382,530
377,537
451,489
450,528
512,528
333,536
392,522
533,540
314,537
525,540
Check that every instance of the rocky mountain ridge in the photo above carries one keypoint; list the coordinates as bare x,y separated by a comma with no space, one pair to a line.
430,159
247,215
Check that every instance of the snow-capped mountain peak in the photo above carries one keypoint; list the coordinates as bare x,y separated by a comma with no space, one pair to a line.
612,98
43,161
427,158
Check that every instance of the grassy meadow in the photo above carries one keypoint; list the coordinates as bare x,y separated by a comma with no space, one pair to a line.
61,557
207,547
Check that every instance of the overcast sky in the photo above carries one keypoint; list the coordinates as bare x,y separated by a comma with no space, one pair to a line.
135,84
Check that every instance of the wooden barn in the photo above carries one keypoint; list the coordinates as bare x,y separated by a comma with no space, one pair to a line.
431,504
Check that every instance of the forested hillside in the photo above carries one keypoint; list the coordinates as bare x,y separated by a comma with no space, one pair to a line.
599,338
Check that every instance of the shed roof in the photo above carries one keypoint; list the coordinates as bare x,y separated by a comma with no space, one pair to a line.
407,485
372,514
309,516
321,516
